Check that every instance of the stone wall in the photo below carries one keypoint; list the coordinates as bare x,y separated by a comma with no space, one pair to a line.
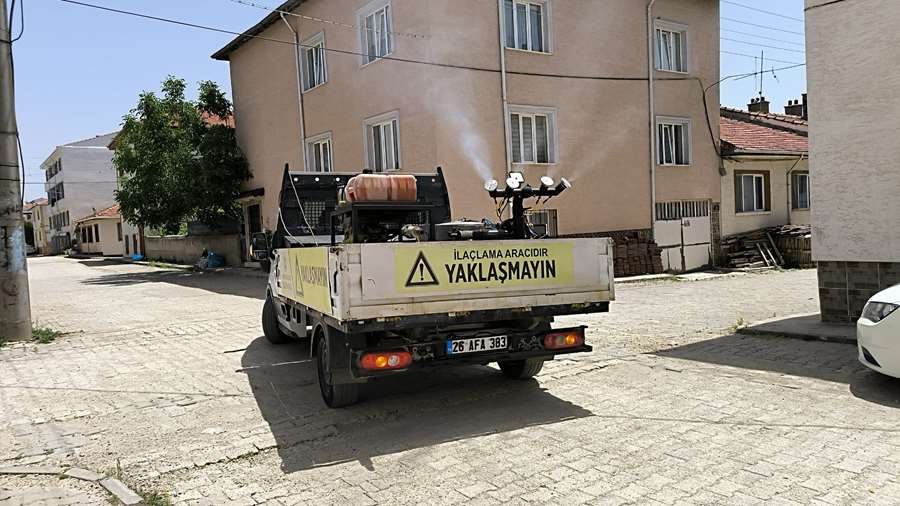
187,249
844,287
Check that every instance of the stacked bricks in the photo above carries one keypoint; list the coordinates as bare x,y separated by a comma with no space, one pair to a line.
635,253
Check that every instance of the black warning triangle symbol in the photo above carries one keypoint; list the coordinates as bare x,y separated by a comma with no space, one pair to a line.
298,277
421,273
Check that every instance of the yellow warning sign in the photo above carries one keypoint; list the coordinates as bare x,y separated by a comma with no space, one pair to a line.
309,274
472,266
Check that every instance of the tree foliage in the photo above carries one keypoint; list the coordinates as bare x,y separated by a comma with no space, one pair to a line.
177,159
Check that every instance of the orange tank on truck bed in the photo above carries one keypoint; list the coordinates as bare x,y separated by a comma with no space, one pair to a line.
382,188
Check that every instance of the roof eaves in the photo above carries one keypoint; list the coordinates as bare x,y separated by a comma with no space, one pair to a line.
224,53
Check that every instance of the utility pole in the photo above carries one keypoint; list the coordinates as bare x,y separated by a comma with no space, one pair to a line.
15,308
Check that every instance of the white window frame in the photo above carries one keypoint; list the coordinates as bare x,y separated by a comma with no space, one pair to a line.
681,30
795,192
532,112
314,43
665,130
370,10
759,206
386,120
546,24
325,139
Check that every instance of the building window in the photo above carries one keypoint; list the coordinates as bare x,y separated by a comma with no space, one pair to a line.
526,25
800,190
314,70
97,232
751,192
66,219
673,141
90,231
383,142
671,47
119,231
376,26
84,236
319,152
137,250
533,134
127,249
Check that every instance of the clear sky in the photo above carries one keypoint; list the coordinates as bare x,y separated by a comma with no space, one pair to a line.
79,70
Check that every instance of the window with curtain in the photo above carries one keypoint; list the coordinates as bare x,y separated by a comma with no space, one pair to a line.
319,151
673,141
383,143
377,28
800,190
532,135
314,68
750,191
671,47
526,25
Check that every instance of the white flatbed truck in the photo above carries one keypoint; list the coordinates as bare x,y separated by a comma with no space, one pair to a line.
378,308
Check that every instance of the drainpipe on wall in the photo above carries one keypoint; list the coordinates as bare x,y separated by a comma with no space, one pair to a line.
652,104
503,94
297,64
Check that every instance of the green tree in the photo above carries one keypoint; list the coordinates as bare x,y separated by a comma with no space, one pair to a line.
178,160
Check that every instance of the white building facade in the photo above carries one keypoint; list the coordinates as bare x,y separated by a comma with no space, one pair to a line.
80,180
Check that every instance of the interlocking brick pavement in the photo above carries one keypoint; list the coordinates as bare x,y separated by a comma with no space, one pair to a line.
166,375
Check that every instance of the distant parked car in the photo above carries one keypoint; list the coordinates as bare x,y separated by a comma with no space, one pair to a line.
878,332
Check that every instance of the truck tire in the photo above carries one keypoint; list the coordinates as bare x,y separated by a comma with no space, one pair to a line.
521,369
270,324
335,396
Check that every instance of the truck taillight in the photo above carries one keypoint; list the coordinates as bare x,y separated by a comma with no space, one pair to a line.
570,338
385,361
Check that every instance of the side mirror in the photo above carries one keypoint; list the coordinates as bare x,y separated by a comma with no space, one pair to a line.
259,246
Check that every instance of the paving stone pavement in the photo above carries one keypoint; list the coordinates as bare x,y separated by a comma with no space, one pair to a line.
165,375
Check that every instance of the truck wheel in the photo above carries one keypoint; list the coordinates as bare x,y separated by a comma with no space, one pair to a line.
521,369
270,324
335,396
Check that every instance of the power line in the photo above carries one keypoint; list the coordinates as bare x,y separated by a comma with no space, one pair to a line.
762,10
723,18
748,34
325,21
767,59
826,4
762,45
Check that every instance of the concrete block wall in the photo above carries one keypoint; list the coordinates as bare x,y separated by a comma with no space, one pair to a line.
844,287
187,249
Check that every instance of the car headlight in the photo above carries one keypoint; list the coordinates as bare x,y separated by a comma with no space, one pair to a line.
877,311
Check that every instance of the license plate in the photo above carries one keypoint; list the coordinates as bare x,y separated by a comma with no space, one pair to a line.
459,346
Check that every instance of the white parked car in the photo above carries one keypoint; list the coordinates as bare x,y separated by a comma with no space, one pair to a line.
878,332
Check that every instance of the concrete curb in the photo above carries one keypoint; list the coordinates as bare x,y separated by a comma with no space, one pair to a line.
235,271
797,335
807,327
115,487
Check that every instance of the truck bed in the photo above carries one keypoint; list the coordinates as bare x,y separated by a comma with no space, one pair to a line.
385,282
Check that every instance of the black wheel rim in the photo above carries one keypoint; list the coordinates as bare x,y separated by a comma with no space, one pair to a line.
324,376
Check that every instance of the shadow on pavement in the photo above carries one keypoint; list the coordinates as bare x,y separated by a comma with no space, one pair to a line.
834,362
405,412
223,283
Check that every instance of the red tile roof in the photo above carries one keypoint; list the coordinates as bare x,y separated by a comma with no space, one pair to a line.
749,137
110,212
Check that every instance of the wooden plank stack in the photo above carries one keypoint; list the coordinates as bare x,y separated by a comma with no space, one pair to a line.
769,247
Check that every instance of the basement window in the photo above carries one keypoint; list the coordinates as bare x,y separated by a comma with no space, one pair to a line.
314,70
526,25
376,27
533,134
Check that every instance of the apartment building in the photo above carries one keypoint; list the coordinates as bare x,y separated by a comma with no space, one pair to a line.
40,223
80,180
854,119
547,87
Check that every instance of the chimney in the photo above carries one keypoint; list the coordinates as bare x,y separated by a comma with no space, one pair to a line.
796,108
759,104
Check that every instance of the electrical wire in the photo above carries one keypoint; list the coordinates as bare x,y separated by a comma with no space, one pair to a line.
762,45
723,18
748,34
12,11
826,4
303,211
744,6
732,53
325,21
